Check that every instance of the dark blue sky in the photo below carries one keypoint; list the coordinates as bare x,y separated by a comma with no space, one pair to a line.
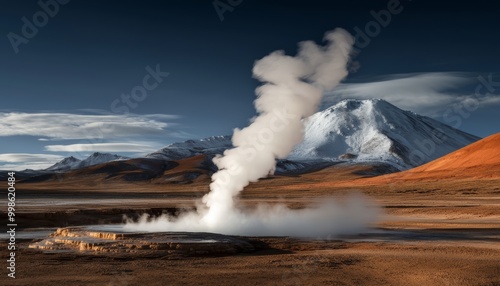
91,52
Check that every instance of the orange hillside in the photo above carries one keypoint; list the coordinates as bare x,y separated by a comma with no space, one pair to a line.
478,160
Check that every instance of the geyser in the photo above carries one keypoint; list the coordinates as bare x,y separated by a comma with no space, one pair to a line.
292,90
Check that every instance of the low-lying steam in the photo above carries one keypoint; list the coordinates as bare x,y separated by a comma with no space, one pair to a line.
292,90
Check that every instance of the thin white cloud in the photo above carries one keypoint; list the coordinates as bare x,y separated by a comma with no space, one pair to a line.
24,166
102,147
28,157
78,126
491,100
425,93
21,161
151,115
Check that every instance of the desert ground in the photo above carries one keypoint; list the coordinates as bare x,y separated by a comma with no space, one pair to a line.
447,233
440,226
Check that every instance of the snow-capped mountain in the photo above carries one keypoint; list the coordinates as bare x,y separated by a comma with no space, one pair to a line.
99,158
208,146
377,131
364,131
72,163
65,164
359,131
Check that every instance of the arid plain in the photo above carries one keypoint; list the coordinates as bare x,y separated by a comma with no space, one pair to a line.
440,226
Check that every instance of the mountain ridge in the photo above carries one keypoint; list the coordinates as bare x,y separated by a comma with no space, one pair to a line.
360,131
72,163
370,131
479,160
375,130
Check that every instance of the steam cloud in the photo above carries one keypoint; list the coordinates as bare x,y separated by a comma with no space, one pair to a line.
292,90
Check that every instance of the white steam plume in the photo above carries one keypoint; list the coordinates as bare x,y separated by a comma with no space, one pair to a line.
292,90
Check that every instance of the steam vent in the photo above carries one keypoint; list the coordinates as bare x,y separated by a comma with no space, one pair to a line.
94,240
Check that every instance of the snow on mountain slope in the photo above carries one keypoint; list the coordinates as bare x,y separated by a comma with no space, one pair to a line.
72,163
99,158
359,131
67,163
208,146
377,131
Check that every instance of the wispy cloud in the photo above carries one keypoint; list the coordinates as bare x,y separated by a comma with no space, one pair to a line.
21,161
28,157
102,147
78,126
423,93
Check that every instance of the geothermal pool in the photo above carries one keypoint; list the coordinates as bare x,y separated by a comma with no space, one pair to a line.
115,240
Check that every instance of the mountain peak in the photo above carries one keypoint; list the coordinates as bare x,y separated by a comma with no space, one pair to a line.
181,150
364,104
65,164
99,158
353,130
375,130
70,159
71,163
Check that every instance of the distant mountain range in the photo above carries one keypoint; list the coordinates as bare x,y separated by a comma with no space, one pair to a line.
358,131
72,163
372,132
68,163
181,150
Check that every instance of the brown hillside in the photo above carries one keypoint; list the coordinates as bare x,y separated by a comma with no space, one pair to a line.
480,160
